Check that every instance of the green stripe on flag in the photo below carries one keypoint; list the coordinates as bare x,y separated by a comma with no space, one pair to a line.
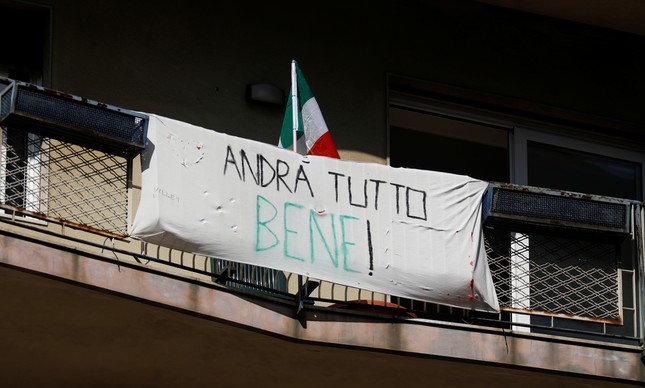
304,92
304,95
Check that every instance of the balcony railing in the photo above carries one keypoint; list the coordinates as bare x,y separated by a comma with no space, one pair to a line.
564,264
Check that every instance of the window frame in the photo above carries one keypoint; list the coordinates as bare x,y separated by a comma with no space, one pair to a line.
34,194
522,135
525,122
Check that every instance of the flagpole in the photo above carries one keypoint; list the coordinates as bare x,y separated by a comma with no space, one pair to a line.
294,106
294,103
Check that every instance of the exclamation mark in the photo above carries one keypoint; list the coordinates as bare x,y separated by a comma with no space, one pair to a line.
369,247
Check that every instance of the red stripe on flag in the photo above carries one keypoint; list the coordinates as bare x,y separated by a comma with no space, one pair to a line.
324,146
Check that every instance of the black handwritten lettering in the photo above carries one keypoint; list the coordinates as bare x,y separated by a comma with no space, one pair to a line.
376,191
266,172
302,176
230,158
264,162
336,175
280,175
245,160
370,249
349,188
424,195
397,186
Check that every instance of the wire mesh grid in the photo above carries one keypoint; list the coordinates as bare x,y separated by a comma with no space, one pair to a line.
64,182
557,275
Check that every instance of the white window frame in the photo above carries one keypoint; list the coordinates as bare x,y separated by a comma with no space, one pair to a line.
36,187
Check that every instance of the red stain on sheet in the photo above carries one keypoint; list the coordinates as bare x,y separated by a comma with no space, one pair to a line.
472,290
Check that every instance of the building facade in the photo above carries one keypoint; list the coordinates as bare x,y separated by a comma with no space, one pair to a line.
544,103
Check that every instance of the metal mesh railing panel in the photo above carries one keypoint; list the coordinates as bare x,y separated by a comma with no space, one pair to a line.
86,116
88,187
554,274
5,103
559,208
64,182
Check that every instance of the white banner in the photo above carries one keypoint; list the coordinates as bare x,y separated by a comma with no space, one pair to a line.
404,232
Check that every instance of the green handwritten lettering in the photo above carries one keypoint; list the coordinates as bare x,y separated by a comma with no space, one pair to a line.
313,222
288,231
346,244
262,225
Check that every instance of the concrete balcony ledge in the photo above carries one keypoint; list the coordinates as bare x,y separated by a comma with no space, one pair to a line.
544,358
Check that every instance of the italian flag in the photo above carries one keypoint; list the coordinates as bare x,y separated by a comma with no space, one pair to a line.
305,124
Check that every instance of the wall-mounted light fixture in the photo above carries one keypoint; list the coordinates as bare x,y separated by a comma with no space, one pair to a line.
265,94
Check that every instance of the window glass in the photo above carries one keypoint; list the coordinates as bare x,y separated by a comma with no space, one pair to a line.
432,142
561,168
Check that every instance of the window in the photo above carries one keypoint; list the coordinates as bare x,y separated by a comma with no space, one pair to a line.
555,161
21,182
426,140
24,57
598,268
544,280
22,163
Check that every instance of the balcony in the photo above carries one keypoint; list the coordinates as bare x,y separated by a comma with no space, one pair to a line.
567,267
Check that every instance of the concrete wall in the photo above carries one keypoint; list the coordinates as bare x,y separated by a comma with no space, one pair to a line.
99,322
191,60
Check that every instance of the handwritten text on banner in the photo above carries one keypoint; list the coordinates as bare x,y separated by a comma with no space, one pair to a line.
410,233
